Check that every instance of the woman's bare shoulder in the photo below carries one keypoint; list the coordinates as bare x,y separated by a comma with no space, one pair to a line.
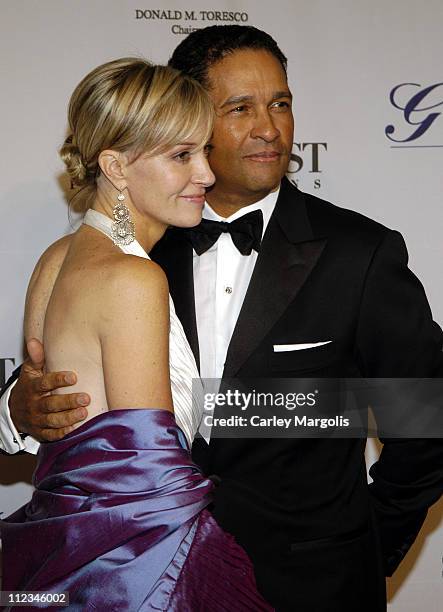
134,279
56,252
50,262
41,284
132,308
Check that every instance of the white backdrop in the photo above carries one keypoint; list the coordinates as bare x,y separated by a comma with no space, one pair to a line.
345,57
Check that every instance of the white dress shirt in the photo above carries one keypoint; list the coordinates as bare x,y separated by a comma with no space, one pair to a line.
221,279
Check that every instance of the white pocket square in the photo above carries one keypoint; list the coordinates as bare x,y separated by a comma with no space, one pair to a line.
281,348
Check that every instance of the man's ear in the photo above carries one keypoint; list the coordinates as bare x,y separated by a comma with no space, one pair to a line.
113,164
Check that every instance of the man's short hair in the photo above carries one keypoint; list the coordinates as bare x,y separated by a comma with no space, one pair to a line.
204,47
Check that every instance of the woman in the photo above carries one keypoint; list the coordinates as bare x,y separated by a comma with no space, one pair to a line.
118,517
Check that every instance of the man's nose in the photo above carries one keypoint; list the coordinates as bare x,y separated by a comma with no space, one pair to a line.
264,127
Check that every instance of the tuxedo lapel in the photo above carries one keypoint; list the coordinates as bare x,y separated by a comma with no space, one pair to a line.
174,254
287,256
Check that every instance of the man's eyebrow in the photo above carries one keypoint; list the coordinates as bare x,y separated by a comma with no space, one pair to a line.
237,100
285,93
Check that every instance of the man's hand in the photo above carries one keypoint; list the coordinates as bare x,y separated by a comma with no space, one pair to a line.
34,410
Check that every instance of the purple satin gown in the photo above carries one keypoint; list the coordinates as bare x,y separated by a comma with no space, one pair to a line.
118,520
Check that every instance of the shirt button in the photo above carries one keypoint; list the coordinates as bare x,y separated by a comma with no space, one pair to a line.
228,289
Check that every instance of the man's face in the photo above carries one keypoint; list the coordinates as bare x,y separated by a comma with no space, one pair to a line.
253,129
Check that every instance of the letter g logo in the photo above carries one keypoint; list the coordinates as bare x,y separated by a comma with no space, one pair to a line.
413,113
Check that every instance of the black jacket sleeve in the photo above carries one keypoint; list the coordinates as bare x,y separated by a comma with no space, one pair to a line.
397,338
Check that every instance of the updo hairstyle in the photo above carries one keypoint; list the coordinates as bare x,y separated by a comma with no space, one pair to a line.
130,105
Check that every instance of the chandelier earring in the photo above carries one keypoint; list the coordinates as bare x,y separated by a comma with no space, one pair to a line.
123,230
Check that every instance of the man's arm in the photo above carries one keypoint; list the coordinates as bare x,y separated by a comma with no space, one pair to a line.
27,406
397,338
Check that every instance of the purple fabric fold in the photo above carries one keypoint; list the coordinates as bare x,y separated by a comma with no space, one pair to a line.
117,519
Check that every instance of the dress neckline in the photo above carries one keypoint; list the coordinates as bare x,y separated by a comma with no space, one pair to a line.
103,224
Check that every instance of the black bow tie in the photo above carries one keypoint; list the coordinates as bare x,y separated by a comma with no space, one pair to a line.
246,233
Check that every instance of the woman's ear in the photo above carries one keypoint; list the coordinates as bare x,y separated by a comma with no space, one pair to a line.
112,165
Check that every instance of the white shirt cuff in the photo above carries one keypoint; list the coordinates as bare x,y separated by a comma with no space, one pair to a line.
10,439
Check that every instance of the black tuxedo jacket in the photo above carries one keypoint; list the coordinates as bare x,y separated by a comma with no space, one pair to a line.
319,537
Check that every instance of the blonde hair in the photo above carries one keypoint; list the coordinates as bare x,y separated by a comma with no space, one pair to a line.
131,105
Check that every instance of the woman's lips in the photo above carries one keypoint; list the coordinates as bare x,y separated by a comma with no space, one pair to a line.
197,198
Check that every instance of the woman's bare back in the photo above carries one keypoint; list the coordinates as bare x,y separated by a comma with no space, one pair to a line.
96,310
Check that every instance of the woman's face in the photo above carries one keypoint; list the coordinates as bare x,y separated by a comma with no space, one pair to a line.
170,187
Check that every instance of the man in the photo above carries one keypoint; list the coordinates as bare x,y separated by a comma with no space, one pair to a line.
320,539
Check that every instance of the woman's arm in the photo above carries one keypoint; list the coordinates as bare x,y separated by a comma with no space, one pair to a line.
134,336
